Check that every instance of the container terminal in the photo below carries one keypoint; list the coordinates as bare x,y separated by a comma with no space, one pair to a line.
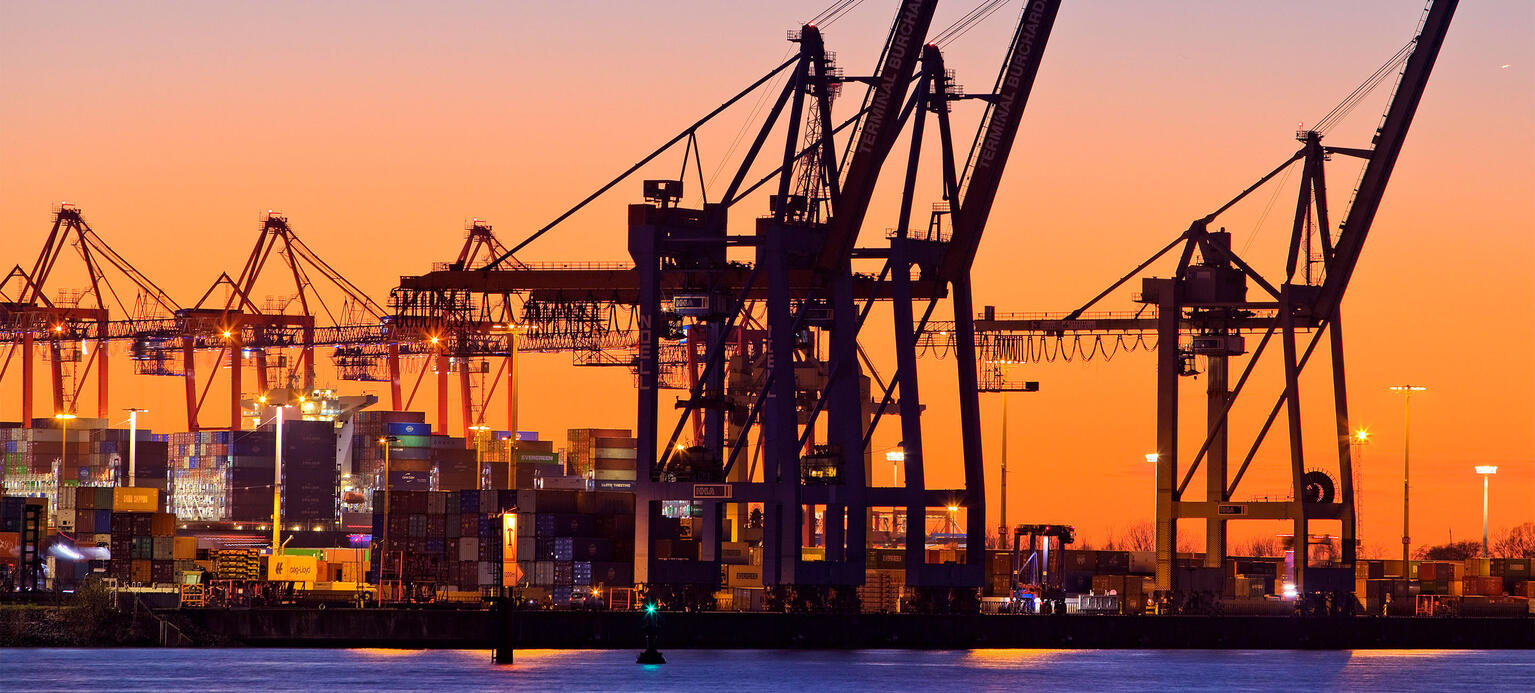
293,512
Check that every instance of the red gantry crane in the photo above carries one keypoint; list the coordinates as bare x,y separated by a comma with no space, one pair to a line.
75,327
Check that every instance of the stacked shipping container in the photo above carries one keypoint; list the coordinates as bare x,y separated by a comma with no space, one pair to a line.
38,462
613,463
410,456
228,475
569,541
582,448
143,543
455,540
450,539
200,475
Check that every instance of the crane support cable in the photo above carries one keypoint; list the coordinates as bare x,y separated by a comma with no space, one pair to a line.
967,22
834,12
1365,88
680,136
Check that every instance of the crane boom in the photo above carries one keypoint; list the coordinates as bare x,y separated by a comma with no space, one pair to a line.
999,127
1388,145
877,132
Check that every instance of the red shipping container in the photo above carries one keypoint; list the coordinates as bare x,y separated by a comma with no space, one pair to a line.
162,525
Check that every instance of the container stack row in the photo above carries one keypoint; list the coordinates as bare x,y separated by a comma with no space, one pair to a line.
569,542
13,512
200,476
52,458
143,543
613,463
410,456
452,540
582,448
228,476
535,459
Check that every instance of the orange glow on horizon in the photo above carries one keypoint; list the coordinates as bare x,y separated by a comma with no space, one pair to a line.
175,135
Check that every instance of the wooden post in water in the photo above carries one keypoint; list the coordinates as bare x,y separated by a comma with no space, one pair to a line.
501,631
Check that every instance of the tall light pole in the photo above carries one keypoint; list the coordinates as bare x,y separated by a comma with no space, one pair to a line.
383,554
277,484
63,418
511,329
895,458
479,453
1486,470
1357,441
133,444
1000,366
1002,490
1406,391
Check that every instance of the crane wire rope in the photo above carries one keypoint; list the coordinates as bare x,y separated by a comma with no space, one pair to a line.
1252,235
1365,88
834,12
824,18
968,21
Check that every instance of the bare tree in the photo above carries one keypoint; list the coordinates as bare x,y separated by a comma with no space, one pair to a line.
1371,552
1454,551
1261,547
1140,536
1515,542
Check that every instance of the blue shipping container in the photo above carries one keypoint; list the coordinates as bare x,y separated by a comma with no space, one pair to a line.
396,428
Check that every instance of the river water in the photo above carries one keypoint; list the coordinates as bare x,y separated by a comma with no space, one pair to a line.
727,671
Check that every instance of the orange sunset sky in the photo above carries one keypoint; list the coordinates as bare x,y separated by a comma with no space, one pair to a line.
380,128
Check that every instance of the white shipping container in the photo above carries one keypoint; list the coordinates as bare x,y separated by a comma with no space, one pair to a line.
614,474
469,549
543,573
617,453
569,483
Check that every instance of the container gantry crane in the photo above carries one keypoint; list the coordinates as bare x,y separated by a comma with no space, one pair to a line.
237,328
761,369
29,318
1204,310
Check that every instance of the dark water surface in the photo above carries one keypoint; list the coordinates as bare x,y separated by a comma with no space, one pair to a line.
728,671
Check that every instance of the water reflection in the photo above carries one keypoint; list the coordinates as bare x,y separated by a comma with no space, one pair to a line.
798,671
